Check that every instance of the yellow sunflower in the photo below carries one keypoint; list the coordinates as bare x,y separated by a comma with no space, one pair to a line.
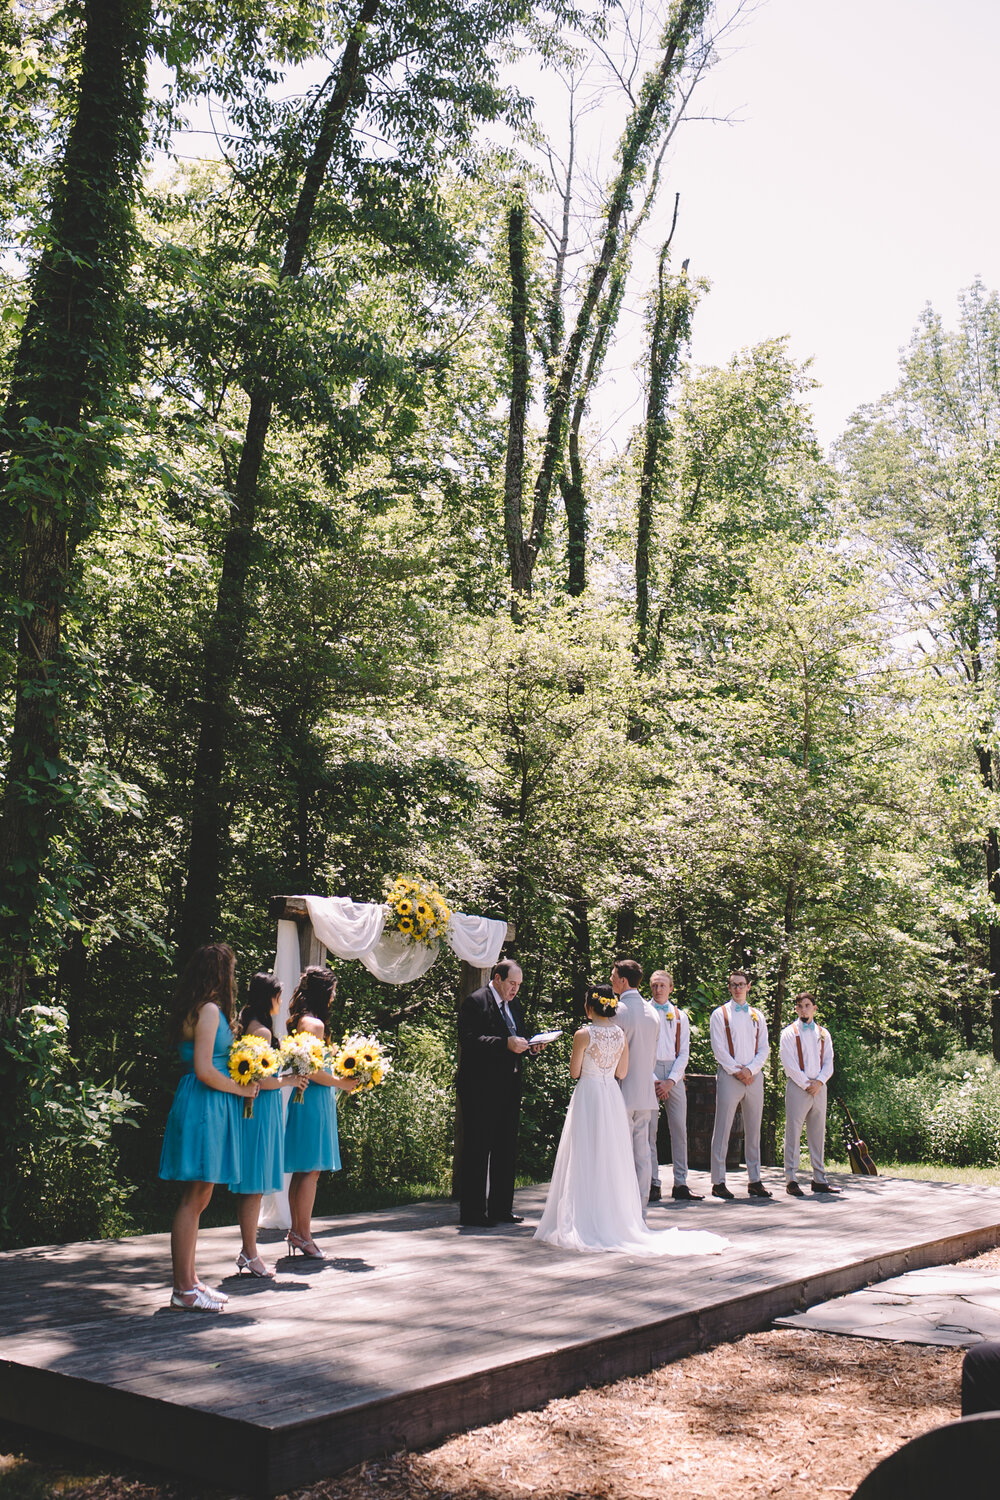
241,1066
406,924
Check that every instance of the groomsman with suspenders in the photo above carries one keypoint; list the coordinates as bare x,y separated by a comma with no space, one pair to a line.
672,1054
738,1033
806,1053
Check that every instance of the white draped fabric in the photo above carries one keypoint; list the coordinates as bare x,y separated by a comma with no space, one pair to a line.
287,969
356,929
476,940
274,1210
350,929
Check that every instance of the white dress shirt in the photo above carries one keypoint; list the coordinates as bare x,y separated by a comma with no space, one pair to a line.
504,1009
667,1050
749,1051
810,1037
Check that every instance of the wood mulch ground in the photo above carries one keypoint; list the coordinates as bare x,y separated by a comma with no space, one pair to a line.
786,1413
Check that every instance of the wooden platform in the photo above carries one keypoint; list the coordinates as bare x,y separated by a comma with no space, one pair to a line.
415,1329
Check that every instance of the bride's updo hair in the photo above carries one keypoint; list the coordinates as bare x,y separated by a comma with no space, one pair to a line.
601,1000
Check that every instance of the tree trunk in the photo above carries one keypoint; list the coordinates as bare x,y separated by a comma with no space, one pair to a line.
992,851
624,929
227,633
54,445
579,953
637,141
671,323
573,493
769,1136
993,886
520,380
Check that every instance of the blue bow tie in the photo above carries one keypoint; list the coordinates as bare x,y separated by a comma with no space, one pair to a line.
806,1025
744,1008
663,1008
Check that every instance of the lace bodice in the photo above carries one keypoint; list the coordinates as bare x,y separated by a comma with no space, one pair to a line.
601,1056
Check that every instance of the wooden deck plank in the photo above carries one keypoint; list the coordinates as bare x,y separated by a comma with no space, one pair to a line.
415,1329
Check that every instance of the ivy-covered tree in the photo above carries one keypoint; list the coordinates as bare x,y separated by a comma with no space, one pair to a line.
57,436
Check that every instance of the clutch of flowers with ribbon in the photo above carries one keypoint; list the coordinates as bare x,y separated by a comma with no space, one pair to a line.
251,1058
300,1054
416,910
362,1058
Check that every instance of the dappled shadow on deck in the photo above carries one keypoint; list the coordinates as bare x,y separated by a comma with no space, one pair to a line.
411,1329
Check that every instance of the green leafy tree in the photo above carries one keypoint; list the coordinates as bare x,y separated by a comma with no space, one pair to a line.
923,467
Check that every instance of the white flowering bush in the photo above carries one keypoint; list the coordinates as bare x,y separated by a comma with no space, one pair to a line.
964,1126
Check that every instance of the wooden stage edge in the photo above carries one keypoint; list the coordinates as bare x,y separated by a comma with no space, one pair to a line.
278,1451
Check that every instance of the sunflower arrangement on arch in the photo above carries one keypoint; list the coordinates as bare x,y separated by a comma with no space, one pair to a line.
416,910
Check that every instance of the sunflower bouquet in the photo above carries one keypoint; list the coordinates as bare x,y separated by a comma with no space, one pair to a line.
251,1059
416,910
362,1058
300,1054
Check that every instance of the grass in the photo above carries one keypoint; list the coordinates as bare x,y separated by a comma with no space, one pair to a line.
930,1171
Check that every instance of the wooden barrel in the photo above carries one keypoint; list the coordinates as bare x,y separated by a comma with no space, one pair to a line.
700,1119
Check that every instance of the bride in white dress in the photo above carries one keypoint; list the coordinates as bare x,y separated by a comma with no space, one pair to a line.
593,1201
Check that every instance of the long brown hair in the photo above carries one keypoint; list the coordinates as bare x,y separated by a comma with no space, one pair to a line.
312,997
260,997
209,975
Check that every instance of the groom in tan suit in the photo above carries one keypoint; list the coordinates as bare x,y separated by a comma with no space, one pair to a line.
641,1026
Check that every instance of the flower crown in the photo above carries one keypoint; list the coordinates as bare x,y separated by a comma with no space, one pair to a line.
610,1001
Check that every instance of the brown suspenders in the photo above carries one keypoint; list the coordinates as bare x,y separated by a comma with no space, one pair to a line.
798,1043
729,1034
677,1034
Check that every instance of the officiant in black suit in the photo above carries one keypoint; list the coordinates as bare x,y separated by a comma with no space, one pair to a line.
492,1049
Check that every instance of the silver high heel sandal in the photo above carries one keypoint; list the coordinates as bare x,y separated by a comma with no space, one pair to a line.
202,1301
308,1248
250,1263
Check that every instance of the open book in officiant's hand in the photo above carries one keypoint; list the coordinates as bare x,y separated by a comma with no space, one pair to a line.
541,1037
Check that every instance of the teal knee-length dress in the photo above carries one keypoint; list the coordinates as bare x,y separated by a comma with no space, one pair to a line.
202,1140
262,1146
311,1143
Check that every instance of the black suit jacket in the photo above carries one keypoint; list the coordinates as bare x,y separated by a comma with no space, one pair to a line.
485,1059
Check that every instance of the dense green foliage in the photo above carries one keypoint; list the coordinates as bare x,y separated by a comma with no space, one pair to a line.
59,1178
324,615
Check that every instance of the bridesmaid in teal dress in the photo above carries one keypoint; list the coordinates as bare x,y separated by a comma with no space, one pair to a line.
201,1144
311,1143
263,1135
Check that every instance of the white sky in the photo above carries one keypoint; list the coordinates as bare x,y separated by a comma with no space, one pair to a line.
860,183
857,182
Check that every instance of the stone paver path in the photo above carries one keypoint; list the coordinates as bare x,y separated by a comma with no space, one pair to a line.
944,1305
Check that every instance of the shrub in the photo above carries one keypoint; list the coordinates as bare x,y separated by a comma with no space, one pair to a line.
893,1116
909,1105
398,1137
965,1122
59,1177
543,1109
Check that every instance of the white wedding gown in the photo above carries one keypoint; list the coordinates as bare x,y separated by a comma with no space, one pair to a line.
593,1201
